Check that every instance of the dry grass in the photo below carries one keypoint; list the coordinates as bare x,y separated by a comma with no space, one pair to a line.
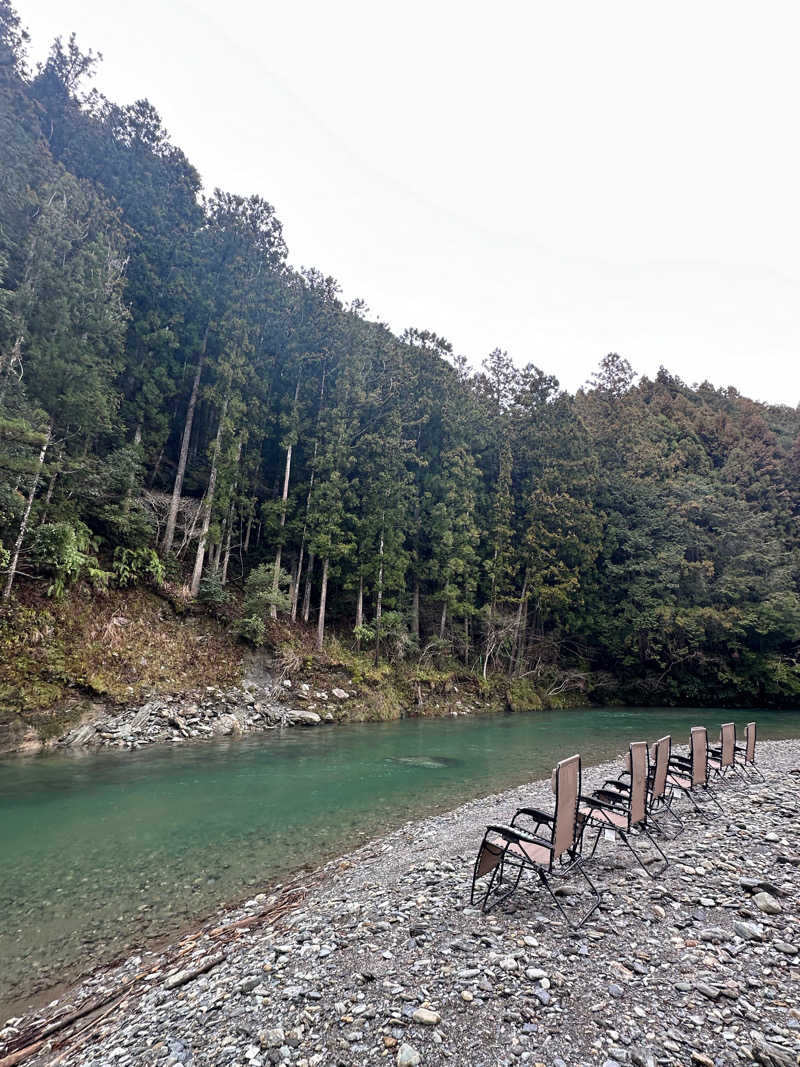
118,647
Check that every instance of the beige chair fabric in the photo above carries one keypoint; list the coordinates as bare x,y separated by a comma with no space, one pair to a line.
567,781
699,750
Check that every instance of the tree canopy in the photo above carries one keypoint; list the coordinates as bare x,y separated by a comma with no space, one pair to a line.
169,383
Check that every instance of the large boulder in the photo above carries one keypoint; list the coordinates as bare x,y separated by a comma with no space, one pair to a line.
301,718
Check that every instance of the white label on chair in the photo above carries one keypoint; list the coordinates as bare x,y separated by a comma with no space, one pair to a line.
610,835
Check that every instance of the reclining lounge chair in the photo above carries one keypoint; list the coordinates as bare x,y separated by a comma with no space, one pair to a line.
659,792
624,814
722,760
551,850
748,751
689,774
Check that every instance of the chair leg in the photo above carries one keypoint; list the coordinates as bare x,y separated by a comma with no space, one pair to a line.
666,804
596,842
625,840
688,794
711,794
739,775
578,865
659,826
497,876
658,849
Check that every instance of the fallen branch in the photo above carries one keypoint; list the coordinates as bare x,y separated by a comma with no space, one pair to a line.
182,977
32,1040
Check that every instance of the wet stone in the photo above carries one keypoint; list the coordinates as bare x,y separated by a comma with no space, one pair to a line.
407,1056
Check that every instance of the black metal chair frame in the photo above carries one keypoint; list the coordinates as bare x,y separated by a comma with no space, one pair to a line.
724,774
560,868
656,805
749,766
683,765
605,802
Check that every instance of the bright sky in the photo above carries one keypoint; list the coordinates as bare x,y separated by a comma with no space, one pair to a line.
559,180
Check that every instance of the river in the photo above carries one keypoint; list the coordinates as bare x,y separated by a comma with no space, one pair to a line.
100,852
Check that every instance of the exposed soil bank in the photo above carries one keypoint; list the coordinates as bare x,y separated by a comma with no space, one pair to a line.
378,957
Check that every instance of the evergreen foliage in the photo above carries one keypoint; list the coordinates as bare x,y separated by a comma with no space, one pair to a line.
178,404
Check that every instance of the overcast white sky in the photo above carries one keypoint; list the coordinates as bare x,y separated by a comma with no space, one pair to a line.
560,180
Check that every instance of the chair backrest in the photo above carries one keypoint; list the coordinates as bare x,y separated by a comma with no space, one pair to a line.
728,739
699,746
568,788
639,767
663,750
750,743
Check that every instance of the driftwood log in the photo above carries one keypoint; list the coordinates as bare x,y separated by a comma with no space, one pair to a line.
33,1039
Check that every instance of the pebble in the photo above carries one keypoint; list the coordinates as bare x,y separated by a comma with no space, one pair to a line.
426,1017
767,903
749,931
407,1056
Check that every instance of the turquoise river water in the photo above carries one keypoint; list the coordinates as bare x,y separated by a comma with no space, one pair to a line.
100,852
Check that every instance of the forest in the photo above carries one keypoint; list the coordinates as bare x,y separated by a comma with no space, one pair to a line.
181,407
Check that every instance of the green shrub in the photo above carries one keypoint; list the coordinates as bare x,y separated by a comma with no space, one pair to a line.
251,629
212,591
522,695
396,641
137,566
364,633
64,551
259,596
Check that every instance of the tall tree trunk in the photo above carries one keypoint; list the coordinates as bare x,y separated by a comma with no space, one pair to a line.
212,482
246,547
227,557
215,555
15,357
152,479
126,506
12,568
273,610
51,486
522,609
307,593
310,568
359,610
298,576
229,520
303,538
415,610
323,596
443,622
379,597
172,517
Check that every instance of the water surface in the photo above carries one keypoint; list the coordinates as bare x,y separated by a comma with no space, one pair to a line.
99,852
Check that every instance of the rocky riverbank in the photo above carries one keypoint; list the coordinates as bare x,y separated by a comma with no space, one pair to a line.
212,712
378,957
219,712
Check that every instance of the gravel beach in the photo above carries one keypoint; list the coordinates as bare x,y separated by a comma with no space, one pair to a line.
377,957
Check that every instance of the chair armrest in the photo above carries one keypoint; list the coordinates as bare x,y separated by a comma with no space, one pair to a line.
534,813
594,802
516,834
615,783
680,761
613,800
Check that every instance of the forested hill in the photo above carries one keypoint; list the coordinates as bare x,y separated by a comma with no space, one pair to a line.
178,404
